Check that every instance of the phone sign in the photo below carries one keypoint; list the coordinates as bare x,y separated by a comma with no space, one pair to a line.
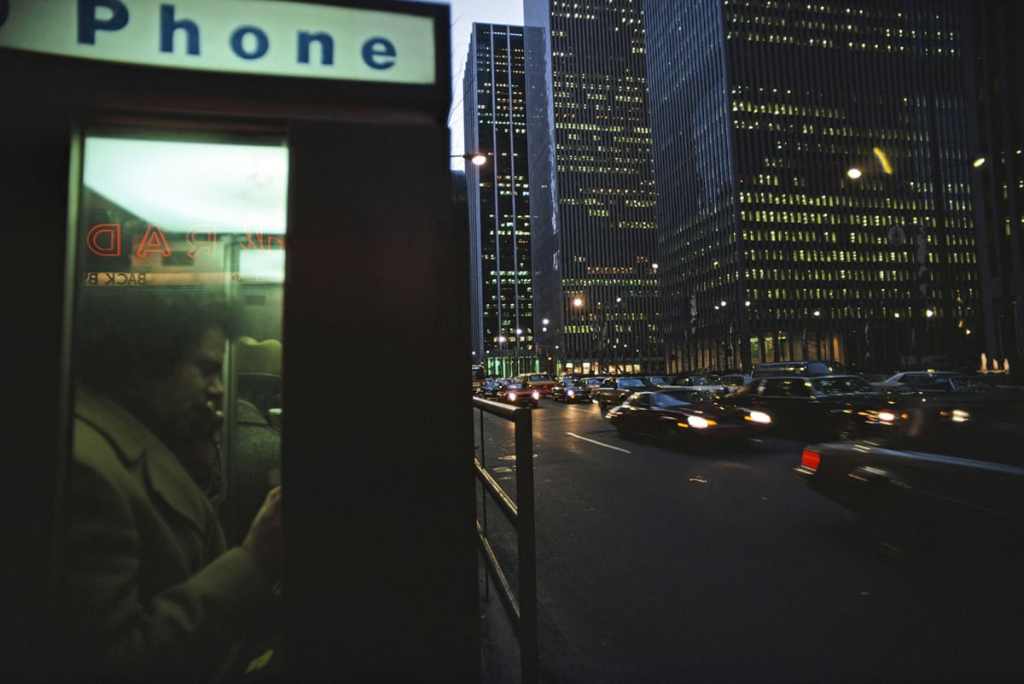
290,39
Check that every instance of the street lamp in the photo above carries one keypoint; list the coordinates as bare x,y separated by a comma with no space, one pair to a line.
546,322
929,313
474,158
817,313
854,173
979,162
577,302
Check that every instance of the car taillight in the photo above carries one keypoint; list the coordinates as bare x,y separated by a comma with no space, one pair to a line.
810,460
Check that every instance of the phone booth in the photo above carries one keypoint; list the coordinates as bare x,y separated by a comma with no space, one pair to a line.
292,156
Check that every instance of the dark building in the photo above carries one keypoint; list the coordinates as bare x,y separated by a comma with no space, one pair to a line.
814,181
998,76
592,186
494,105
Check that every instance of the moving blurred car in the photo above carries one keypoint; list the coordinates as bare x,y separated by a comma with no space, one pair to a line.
810,407
803,368
734,381
591,383
951,469
516,393
570,391
541,382
932,381
685,416
614,390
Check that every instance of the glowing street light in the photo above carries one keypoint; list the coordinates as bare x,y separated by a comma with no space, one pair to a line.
746,303
855,173
578,302
896,315
618,300
929,313
478,160
723,304
546,322
979,162
817,313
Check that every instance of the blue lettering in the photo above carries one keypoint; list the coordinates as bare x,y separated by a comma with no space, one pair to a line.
326,47
168,26
238,42
89,23
379,53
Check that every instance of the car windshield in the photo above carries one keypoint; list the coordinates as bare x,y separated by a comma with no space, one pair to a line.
537,378
658,379
632,382
840,385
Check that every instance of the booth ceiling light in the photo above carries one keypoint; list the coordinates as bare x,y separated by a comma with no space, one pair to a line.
185,186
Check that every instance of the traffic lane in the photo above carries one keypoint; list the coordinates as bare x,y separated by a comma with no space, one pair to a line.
725,566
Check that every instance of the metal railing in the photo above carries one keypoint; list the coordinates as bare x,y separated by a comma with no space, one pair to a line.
522,611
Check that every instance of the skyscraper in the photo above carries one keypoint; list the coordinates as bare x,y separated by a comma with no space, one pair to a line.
494,104
998,77
591,185
813,167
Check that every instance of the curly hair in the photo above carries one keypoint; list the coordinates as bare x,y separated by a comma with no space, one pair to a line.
126,336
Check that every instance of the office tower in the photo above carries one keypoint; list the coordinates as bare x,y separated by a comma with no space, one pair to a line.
998,76
592,186
494,103
814,180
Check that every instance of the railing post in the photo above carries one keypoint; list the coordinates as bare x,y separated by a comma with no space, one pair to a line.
528,646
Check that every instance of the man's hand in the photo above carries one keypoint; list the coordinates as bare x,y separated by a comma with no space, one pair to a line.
265,539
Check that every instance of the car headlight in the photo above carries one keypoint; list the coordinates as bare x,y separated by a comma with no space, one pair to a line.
535,395
699,423
886,416
511,396
758,417
571,393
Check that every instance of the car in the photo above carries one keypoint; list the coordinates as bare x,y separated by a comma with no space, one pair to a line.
591,383
816,407
734,381
490,388
614,390
803,368
520,395
570,391
932,381
541,382
659,380
685,416
951,469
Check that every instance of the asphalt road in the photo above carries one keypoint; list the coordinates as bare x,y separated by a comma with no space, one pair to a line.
661,565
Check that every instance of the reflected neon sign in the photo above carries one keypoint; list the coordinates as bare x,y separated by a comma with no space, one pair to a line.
107,240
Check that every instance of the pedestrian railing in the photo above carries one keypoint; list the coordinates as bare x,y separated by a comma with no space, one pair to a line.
522,610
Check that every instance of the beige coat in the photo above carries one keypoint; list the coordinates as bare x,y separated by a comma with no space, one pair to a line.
151,590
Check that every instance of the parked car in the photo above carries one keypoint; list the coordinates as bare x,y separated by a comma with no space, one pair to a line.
536,381
570,391
614,390
690,417
659,380
822,407
520,395
951,470
803,368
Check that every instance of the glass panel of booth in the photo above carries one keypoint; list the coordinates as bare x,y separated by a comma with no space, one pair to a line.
176,342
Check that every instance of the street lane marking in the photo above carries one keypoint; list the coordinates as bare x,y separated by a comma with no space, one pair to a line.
594,441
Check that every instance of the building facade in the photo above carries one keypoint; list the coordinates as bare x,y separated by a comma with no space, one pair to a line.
592,187
998,77
814,178
498,194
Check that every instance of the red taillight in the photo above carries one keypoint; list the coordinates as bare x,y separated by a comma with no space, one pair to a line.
810,460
